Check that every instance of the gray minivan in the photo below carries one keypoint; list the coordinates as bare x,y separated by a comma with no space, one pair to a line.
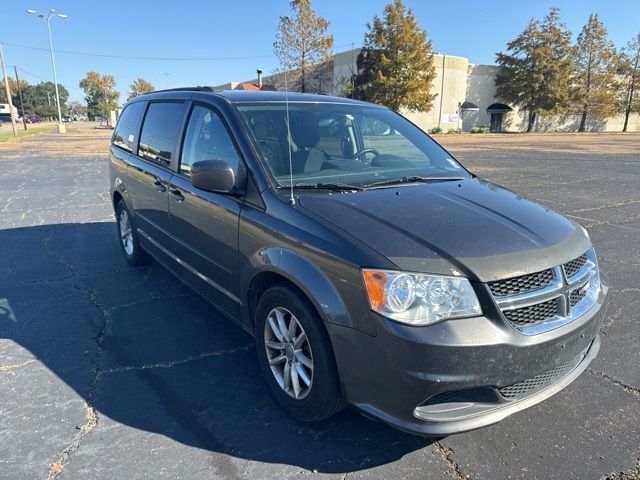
372,268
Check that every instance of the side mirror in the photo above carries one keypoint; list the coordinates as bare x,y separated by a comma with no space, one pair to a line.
213,176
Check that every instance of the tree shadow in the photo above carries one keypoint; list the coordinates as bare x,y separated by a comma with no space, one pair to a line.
147,352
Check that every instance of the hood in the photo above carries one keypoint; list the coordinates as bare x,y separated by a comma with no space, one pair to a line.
468,227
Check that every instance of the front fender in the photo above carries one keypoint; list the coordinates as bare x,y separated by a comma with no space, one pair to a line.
304,274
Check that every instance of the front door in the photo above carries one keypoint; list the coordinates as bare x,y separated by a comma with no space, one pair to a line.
496,122
149,171
204,225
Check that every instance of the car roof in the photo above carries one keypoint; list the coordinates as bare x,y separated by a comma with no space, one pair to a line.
248,96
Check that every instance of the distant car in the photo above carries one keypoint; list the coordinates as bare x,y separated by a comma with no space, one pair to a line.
67,119
34,119
5,118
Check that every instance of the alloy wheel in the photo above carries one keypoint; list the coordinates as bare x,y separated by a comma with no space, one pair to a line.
126,235
289,353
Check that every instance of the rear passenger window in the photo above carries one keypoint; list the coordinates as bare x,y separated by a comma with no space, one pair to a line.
207,139
160,131
126,130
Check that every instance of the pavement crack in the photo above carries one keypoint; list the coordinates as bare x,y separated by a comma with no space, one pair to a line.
627,388
91,420
181,361
11,368
91,413
447,455
605,206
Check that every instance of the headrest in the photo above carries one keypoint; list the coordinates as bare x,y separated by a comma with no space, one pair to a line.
304,131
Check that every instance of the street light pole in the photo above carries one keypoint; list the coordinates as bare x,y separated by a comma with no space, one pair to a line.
52,13
166,76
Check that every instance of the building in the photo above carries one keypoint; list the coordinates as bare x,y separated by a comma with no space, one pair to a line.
465,98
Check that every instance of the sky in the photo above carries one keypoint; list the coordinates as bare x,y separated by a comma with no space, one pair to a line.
213,42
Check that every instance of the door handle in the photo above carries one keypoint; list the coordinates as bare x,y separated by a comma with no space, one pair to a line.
159,186
176,195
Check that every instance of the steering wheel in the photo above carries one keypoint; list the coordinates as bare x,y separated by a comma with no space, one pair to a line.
364,151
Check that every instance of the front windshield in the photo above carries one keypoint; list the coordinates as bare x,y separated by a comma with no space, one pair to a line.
346,144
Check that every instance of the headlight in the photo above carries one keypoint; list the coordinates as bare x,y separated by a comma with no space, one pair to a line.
419,299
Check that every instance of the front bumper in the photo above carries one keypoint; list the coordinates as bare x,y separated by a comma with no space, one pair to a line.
393,375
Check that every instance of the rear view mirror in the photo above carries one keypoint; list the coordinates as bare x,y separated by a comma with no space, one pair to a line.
213,176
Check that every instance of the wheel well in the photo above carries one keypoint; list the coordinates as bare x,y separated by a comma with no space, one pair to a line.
116,198
265,280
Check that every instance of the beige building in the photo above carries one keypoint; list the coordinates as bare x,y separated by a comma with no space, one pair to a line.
465,98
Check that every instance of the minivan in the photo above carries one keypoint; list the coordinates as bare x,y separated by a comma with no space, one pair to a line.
373,269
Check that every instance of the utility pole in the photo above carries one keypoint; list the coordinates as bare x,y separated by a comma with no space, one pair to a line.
8,92
24,120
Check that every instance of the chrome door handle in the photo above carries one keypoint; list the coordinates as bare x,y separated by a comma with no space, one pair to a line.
176,195
159,186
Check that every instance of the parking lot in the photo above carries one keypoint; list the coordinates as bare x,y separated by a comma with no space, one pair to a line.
112,372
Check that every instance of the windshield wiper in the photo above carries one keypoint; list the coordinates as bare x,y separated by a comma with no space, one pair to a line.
326,186
411,179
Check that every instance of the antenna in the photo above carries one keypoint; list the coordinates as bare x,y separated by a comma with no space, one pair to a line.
286,103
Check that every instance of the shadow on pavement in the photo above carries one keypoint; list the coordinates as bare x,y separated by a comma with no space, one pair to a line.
147,352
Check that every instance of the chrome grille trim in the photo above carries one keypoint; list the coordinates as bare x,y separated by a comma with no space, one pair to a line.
562,289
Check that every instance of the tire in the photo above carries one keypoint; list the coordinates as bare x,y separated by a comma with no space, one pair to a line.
323,398
130,246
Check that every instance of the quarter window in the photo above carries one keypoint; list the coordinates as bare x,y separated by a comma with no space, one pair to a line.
207,139
126,131
160,131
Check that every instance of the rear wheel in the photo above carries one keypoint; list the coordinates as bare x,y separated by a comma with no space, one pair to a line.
295,355
129,243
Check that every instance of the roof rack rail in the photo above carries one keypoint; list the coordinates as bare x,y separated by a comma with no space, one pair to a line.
187,89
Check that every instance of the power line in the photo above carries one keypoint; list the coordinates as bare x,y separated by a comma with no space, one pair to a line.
33,75
126,57
105,55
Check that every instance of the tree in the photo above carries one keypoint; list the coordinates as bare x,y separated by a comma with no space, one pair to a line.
40,99
395,66
101,94
138,87
302,43
629,72
595,64
13,87
537,72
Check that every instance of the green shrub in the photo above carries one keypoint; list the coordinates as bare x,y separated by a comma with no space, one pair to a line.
435,130
481,129
454,130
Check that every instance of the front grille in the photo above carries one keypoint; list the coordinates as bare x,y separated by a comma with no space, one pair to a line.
572,267
521,284
533,313
544,300
539,382
576,296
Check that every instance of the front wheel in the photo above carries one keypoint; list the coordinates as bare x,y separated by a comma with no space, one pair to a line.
129,243
295,355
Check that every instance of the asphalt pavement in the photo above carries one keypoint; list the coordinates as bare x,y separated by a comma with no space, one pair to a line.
112,372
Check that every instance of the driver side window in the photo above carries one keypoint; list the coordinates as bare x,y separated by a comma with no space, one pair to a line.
207,139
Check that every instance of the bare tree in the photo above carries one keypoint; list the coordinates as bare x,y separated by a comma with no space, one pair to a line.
302,43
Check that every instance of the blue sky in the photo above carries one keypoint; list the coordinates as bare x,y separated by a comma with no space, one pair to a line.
246,29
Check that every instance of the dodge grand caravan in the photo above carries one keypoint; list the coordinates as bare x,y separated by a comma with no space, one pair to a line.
371,267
